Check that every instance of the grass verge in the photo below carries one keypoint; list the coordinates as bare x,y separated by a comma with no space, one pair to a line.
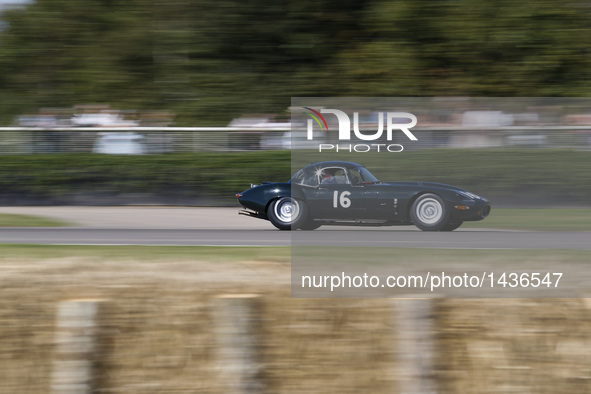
282,253
413,258
147,253
14,220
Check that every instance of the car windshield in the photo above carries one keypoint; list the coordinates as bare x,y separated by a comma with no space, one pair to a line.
360,175
302,177
298,177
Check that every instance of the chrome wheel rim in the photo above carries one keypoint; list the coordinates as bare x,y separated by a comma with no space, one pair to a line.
286,209
429,211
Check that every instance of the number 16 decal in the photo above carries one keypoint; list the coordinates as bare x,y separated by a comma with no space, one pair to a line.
343,200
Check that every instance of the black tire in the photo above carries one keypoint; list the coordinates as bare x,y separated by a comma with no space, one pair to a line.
429,212
310,225
287,213
452,225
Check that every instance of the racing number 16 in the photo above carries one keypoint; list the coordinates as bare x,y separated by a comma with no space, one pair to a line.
343,200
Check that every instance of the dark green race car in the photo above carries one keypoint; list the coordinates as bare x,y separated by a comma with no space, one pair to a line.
346,193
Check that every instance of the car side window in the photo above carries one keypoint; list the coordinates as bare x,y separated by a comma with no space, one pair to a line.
310,179
356,178
333,176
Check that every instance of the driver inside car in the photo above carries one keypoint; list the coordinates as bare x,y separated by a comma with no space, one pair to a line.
327,179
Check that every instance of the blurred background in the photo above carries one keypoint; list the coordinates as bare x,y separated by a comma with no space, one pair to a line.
207,62
155,80
186,102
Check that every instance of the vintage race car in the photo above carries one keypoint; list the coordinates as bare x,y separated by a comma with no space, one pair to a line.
346,193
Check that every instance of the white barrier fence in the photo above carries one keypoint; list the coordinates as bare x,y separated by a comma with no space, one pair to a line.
140,140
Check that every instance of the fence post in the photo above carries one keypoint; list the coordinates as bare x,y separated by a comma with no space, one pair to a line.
415,345
76,347
237,330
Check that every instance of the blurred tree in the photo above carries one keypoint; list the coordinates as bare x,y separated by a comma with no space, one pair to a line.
206,60
473,47
60,53
254,56
209,61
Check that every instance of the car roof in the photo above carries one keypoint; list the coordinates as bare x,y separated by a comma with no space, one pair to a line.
333,163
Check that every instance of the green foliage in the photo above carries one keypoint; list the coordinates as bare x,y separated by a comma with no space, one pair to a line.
210,61
211,177
532,177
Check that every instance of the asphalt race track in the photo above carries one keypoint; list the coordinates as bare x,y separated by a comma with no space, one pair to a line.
223,226
338,236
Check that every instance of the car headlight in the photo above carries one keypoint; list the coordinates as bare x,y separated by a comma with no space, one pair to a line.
469,195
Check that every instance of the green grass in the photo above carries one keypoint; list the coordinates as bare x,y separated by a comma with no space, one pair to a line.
280,254
147,253
13,220
411,257
536,219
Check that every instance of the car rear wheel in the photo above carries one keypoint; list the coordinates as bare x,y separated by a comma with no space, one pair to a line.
287,213
310,225
429,213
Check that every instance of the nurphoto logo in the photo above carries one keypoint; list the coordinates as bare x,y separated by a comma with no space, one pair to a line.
393,123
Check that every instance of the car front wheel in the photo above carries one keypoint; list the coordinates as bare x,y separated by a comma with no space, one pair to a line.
287,213
429,213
